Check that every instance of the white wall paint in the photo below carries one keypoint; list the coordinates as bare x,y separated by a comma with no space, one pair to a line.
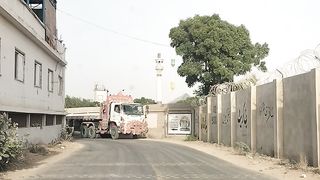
17,96
39,135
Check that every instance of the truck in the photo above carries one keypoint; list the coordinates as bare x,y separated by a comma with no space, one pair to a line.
117,115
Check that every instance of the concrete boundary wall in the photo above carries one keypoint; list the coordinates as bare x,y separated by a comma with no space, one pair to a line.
203,133
265,118
212,119
243,117
225,123
279,119
299,118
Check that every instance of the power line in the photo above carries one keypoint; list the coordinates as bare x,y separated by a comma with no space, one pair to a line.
113,31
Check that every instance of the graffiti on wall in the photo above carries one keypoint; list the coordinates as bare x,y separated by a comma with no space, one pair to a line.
243,116
267,112
214,119
204,123
226,116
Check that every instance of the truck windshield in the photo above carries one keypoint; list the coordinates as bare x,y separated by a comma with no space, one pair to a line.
133,109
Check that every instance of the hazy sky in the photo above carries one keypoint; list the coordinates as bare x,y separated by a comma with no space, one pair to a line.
98,49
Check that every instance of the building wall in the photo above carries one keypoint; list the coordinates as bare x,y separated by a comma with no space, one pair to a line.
24,96
100,96
23,15
38,111
50,22
40,135
157,118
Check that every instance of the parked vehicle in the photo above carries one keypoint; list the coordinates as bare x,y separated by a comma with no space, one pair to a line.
117,115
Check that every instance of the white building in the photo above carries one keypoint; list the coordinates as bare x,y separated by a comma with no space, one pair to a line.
32,68
100,93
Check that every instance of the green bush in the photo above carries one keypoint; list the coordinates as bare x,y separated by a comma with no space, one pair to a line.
65,135
38,149
191,138
10,145
242,148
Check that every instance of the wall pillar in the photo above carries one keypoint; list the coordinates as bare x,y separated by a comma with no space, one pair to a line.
44,119
193,122
196,121
253,116
219,117
165,122
279,119
233,118
64,122
200,122
209,117
54,120
316,135
28,121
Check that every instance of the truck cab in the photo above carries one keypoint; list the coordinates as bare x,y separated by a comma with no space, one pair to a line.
129,118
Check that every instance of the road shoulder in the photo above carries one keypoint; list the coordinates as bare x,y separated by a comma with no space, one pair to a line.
261,164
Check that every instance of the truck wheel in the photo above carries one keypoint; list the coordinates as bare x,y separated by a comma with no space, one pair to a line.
84,131
114,131
91,132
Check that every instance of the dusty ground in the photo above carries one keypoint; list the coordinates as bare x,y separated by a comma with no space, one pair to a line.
263,164
36,161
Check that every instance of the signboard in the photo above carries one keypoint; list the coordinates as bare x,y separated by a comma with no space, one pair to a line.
179,124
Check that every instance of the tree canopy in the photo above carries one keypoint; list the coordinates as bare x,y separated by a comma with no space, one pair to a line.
73,102
192,101
213,51
144,101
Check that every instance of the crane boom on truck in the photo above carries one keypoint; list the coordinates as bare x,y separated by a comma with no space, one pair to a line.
117,115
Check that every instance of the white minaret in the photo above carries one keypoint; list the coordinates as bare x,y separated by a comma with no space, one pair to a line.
159,69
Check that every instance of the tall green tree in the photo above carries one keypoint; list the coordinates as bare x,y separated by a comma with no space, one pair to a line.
144,101
213,51
73,102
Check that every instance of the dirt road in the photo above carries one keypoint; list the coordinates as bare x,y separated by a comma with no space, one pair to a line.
135,159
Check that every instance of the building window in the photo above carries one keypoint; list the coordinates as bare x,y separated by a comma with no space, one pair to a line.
37,74
60,86
19,66
50,80
59,120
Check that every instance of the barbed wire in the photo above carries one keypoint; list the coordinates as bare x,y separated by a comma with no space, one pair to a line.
306,61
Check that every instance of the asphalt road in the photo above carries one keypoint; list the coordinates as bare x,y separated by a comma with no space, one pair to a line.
141,159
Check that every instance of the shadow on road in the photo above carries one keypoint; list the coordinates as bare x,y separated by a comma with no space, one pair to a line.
76,135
